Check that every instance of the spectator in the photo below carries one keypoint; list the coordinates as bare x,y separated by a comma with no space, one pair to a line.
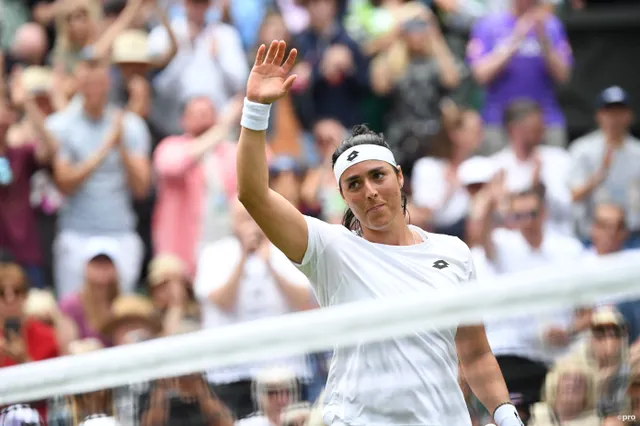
244,278
416,77
332,78
18,164
24,339
172,295
569,398
196,182
275,390
210,63
284,178
41,306
90,307
132,319
604,165
295,415
527,162
521,53
517,342
78,31
29,47
440,201
102,163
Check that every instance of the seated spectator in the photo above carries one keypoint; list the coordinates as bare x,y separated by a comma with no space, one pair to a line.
604,166
172,295
440,201
132,319
186,400
196,180
90,307
101,166
243,278
18,231
23,339
275,390
570,398
41,306
527,163
416,89
520,53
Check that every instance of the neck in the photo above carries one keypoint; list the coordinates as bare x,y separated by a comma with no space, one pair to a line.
274,417
397,235
615,140
94,110
566,413
458,156
521,151
533,238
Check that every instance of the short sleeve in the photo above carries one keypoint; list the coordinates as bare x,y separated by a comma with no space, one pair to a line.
215,266
480,42
137,138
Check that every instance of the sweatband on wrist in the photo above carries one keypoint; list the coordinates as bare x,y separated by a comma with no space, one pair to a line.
507,415
360,153
255,116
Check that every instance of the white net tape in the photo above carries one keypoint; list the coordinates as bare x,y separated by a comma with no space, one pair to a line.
574,284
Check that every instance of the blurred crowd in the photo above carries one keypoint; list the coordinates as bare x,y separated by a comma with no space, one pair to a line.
119,221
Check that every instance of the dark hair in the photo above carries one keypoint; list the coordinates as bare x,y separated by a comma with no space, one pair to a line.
361,135
519,109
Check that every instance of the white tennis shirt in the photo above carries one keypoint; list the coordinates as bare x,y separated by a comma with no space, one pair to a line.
407,381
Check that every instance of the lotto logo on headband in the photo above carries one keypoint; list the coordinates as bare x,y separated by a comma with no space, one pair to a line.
360,153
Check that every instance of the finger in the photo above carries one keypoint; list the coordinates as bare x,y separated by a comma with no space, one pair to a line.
291,60
282,49
271,54
260,55
289,82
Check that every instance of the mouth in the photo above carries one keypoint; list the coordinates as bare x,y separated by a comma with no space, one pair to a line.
375,208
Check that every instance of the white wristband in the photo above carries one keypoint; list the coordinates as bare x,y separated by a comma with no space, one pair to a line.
507,415
255,116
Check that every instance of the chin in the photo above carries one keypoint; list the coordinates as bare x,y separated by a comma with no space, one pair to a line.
379,221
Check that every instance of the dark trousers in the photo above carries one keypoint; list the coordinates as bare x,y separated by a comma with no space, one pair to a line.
524,377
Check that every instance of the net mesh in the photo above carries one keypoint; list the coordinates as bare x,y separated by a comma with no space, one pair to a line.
565,341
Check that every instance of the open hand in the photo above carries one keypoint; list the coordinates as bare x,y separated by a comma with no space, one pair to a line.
268,79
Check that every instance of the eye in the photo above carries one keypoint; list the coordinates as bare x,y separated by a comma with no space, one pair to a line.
378,175
353,185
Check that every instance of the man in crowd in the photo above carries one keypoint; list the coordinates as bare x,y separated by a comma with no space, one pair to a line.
103,162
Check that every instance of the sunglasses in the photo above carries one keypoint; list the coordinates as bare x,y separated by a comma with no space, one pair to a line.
16,291
527,215
600,332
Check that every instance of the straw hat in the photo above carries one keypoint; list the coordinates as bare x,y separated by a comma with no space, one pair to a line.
131,47
164,266
129,308
37,79
607,316
79,347
41,303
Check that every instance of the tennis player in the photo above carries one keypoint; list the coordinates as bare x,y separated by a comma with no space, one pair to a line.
376,255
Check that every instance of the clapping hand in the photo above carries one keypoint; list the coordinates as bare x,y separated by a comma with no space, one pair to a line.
14,347
269,80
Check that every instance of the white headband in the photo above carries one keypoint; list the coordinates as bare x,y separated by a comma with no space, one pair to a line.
360,153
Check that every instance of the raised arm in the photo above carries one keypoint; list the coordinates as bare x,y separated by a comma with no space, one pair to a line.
282,223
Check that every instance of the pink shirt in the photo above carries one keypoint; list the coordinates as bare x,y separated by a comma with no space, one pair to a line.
182,185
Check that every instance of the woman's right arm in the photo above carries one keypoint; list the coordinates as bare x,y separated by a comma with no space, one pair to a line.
282,223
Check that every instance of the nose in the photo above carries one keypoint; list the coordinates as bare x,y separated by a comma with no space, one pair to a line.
370,190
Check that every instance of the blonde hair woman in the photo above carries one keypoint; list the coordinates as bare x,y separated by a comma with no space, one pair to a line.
78,27
569,398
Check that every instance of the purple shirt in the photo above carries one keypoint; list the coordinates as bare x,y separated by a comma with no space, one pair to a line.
526,74
72,307
18,231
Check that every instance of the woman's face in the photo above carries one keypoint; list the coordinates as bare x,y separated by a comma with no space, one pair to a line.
469,134
101,273
168,288
572,391
13,291
79,24
273,28
372,190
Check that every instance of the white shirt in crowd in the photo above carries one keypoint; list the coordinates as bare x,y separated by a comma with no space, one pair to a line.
404,381
258,297
257,420
522,335
554,174
430,189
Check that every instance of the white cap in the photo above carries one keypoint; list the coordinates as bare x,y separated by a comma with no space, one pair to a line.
101,246
100,420
476,170
19,414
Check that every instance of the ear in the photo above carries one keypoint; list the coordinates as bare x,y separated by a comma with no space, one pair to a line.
400,177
